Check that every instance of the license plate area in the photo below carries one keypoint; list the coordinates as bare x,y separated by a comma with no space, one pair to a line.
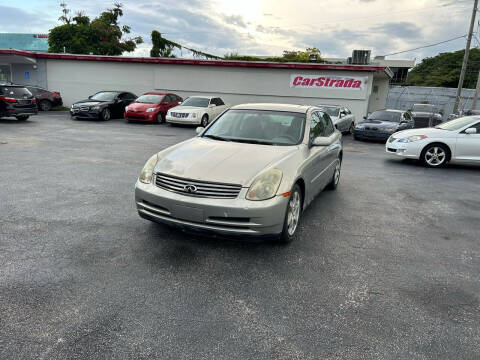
187,213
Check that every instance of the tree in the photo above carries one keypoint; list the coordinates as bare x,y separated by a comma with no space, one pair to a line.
443,70
288,56
161,47
100,36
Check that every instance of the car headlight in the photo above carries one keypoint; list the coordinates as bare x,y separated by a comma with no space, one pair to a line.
150,109
126,108
193,115
390,130
358,126
147,172
265,186
412,138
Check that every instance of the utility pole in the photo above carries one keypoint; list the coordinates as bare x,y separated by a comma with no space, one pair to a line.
465,58
477,90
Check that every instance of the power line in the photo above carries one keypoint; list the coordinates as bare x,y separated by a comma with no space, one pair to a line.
426,46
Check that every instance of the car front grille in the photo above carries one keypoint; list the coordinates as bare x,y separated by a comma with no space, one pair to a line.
197,187
84,108
179,115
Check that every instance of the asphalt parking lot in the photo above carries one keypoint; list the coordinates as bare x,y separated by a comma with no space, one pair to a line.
386,267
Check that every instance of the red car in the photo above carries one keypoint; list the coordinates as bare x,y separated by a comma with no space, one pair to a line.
151,107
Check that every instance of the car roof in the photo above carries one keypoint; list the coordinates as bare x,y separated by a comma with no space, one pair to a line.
273,107
155,93
204,97
392,110
331,105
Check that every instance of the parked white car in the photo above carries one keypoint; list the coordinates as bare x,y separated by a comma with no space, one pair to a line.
457,140
341,116
196,110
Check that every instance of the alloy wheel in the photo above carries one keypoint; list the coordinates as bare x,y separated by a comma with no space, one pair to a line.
106,114
435,156
336,175
293,212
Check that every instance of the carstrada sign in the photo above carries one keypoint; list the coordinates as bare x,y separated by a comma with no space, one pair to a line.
327,82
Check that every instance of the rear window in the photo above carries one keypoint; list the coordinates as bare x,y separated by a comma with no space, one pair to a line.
16,92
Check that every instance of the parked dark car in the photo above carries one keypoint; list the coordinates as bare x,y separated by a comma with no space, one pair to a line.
45,99
103,105
16,101
151,107
426,115
383,123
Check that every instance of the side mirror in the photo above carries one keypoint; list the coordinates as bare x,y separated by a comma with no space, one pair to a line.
364,118
471,131
322,141
90,96
342,115
180,103
199,129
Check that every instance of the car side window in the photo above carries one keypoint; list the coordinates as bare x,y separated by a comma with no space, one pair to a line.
123,96
476,126
34,91
219,102
329,128
131,96
407,116
317,125
348,111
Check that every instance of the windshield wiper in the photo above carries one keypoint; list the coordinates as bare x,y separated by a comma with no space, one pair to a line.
252,141
215,137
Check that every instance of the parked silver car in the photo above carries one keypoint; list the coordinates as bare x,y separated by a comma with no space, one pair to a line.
342,117
250,172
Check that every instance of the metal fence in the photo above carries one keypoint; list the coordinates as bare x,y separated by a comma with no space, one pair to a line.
403,97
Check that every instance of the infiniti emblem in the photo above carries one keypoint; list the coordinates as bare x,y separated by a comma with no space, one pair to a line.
190,188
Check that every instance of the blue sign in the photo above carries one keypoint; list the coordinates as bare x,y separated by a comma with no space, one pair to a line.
27,75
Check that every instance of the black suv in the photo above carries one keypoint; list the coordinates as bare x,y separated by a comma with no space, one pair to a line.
16,101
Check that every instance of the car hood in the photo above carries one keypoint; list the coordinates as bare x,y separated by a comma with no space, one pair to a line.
220,161
140,106
430,132
188,109
380,124
89,102
424,114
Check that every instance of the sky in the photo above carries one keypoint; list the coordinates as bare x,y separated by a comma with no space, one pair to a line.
267,27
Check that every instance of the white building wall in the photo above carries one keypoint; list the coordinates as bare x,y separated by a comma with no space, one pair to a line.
77,80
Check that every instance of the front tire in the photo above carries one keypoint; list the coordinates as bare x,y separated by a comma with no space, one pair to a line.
22,117
45,105
204,121
160,118
105,115
435,155
292,216
352,128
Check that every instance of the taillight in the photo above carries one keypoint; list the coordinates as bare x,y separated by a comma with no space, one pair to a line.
34,100
56,94
8,99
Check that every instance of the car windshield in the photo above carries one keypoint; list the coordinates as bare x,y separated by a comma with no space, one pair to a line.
104,96
423,108
331,110
15,91
385,116
456,124
150,99
196,101
258,127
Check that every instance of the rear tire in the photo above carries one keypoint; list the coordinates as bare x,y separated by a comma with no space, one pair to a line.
332,185
45,105
292,215
22,117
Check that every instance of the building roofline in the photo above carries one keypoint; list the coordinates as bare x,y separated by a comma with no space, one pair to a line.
224,63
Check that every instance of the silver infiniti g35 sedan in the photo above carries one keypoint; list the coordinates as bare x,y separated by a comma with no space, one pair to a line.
250,172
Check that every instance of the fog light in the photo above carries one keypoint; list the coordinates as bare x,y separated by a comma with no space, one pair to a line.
150,117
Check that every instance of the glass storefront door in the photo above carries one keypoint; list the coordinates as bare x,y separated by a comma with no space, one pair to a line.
5,73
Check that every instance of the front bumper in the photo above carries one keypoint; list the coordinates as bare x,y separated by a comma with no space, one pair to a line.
141,116
411,150
185,121
371,134
85,114
222,216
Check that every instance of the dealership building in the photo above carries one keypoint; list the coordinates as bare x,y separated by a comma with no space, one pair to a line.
362,88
